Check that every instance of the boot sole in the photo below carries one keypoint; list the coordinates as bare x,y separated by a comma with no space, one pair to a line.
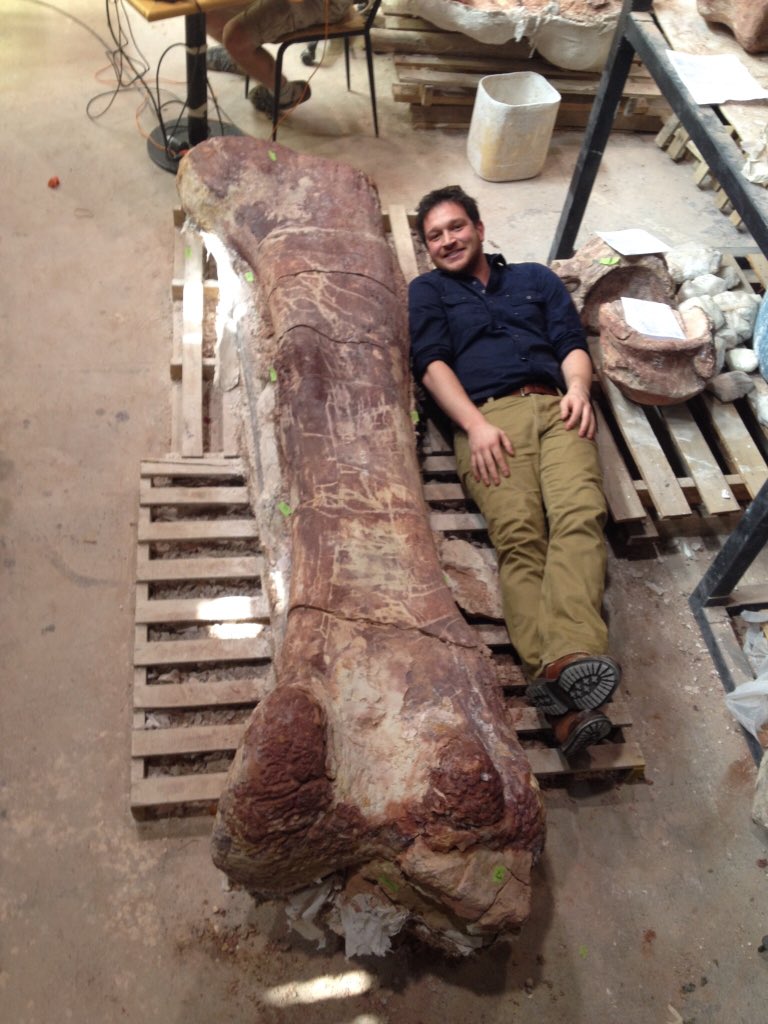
583,685
586,735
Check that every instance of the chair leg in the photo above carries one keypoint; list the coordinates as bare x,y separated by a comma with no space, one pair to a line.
247,83
371,82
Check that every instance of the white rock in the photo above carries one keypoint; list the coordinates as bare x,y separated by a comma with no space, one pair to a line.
704,284
740,310
741,358
691,260
709,306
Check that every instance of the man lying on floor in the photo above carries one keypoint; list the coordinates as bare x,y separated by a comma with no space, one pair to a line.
502,351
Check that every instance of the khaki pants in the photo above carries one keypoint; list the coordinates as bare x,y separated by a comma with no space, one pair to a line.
546,522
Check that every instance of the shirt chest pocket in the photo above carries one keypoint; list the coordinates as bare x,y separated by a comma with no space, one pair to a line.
526,303
467,315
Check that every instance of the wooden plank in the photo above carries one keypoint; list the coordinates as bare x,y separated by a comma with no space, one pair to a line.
200,530
192,347
171,570
620,492
205,739
403,242
208,465
530,720
443,492
195,739
743,454
605,757
717,497
191,652
188,696
233,608
662,483
459,521
439,464
492,635
149,495
171,790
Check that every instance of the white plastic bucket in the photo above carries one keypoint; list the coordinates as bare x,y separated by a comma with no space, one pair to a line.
511,128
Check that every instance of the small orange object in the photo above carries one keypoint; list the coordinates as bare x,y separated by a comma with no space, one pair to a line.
54,182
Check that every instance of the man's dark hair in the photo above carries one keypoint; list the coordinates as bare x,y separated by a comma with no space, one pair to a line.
448,194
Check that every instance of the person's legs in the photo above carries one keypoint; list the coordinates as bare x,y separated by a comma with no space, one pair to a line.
514,514
570,613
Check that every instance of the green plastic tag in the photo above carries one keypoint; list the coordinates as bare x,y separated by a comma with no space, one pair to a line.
285,509
609,261
415,416
272,374
249,276
272,155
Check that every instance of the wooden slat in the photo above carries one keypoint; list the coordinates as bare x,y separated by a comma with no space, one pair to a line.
449,491
170,790
192,347
401,237
206,651
200,530
716,496
170,570
492,635
149,495
605,757
620,492
461,521
439,464
662,483
207,465
188,696
196,739
235,608
742,452
529,720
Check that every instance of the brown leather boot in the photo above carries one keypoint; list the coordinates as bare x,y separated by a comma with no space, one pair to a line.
575,682
578,730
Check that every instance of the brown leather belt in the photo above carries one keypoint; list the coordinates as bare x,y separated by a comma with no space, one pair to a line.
526,389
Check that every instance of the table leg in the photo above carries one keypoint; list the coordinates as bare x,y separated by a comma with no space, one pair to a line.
168,144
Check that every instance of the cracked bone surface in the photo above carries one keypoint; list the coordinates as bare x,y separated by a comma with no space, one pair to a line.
384,759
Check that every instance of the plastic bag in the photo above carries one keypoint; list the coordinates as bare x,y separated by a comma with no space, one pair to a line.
748,704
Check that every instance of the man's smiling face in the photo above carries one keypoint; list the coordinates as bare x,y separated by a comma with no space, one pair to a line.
453,241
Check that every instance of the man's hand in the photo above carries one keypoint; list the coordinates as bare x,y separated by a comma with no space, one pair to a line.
489,447
575,407
576,411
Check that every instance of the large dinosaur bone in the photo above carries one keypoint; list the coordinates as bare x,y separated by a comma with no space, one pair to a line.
384,758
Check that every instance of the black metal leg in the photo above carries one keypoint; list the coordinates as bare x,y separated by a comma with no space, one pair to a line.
197,78
166,145
371,82
346,60
595,139
277,90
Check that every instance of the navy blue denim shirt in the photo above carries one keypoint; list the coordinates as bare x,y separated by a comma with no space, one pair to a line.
516,331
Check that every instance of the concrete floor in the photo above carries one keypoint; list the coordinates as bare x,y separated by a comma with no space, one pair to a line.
650,901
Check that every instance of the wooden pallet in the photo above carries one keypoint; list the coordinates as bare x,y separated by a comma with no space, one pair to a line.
202,635
438,71
198,583
675,141
441,91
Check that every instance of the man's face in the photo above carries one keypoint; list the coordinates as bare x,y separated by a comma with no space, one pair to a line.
453,241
